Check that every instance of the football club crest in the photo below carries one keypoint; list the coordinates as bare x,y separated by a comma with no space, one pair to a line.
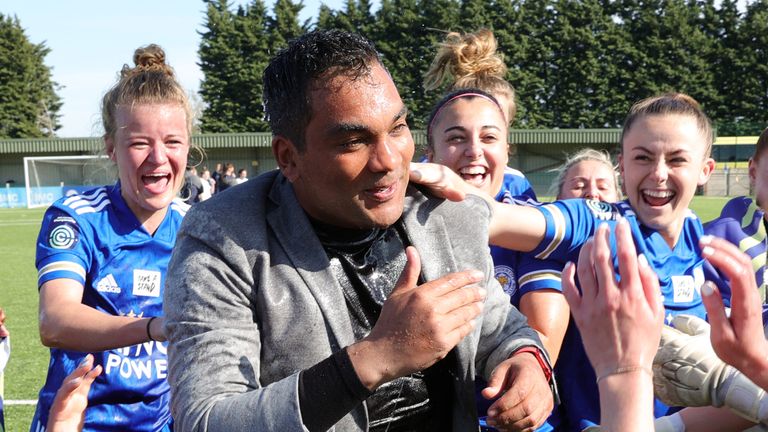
506,278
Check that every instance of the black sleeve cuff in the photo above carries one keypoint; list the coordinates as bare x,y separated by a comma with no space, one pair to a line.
328,391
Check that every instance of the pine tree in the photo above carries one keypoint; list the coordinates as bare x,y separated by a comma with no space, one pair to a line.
29,105
356,17
753,70
476,14
406,33
234,51
284,24
670,49
579,79
526,40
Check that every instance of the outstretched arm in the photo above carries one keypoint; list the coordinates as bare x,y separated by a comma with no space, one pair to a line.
513,227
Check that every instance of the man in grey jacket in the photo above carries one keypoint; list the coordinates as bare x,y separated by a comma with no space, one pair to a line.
330,294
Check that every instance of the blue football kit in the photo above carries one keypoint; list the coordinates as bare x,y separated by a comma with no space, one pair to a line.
516,273
569,224
515,189
94,238
742,223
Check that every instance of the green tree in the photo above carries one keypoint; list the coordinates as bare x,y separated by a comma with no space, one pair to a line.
524,30
234,51
356,17
29,105
670,50
476,14
284,24
751,103
581,67
406,33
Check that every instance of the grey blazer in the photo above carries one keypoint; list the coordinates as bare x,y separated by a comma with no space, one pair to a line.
250,302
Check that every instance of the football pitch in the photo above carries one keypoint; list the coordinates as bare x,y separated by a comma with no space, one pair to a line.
26,369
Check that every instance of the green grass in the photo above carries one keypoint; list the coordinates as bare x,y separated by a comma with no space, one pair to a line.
708,208
18,296
26,369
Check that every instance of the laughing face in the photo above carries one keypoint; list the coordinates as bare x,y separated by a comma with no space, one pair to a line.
470,137
662,163
353,171
150,148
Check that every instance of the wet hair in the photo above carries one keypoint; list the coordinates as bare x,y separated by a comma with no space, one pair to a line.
151,81
470,61
467,93
309,61
670,104
761,146
585,154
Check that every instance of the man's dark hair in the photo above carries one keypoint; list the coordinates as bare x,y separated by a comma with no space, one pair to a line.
317,55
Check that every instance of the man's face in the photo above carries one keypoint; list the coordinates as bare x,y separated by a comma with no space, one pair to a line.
353,171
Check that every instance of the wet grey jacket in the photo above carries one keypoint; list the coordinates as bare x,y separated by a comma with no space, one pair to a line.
250,301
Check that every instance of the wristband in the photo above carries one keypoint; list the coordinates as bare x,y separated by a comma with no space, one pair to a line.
539,357
149,335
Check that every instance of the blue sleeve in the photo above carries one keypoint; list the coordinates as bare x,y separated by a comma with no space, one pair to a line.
711,273
569,224
62,249
527,190
516,185
535,274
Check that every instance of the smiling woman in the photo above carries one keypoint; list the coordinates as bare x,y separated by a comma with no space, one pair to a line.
665,149
101,284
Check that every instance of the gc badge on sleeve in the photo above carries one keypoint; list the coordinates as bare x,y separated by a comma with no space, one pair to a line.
63,233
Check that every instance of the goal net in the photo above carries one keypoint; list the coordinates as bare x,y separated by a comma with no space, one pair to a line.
48,178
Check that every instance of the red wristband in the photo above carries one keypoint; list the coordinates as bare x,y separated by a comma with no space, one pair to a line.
539,357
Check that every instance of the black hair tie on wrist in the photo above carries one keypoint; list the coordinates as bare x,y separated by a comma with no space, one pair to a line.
149,323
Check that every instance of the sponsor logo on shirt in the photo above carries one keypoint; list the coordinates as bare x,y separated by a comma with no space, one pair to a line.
601,210
146,283
684,287
108,284
145,361
63,234
506,277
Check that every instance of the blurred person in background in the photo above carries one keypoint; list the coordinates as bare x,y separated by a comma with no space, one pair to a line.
589,174
242,176
227,178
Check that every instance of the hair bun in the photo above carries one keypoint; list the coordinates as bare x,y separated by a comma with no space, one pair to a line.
149,56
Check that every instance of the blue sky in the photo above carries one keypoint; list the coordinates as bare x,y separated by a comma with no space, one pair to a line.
90,40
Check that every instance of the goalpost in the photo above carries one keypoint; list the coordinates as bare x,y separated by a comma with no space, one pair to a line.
48,178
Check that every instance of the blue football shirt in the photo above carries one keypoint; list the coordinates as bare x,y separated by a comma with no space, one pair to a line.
569,224
95,239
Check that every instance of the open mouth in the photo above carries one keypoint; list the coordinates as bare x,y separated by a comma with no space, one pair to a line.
657,198
156,182
474,175
382,193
